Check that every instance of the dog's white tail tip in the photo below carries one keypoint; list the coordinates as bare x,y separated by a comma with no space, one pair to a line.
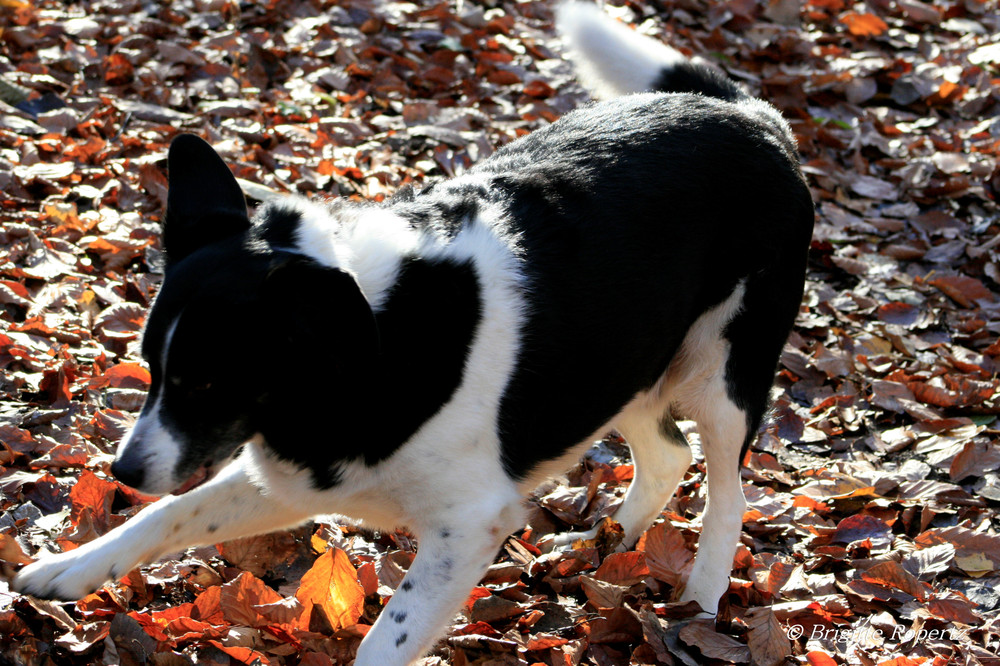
611,59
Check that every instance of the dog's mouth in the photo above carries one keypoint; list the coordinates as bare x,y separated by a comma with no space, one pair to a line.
199,477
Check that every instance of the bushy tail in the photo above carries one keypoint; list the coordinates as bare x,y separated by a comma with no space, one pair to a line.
613,60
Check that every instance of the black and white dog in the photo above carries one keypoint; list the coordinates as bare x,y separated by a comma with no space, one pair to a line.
427,362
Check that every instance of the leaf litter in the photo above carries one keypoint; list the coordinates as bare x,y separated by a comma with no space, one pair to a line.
873,532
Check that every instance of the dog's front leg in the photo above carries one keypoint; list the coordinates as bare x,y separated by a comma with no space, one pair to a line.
453,553
226,507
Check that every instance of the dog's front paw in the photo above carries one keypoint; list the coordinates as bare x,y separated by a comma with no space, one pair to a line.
73,575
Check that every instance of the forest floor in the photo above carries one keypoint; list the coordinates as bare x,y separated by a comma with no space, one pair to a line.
873,534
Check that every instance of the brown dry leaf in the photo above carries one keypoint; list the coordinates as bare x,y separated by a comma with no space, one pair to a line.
667,556
242,655
615,625
860,527
702,635
963,289
767,639
602,594
259,554
287,611
493,608
976,459
891,574
967,543
956,609
953,391
121,321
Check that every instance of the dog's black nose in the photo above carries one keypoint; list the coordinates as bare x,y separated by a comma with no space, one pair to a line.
129,474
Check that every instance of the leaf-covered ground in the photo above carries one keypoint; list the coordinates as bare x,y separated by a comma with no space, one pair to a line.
873,535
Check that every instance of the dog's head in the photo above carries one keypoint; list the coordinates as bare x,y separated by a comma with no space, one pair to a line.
228,331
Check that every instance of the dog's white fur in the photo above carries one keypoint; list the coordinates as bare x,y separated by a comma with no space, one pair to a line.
369,247
612,59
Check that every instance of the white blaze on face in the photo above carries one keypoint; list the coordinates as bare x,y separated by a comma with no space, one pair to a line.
149,444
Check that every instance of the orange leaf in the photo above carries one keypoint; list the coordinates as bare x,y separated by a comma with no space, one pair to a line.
903,661
10,550
474,596
243,655
128,375
207,606
956,391
818,658
809,503
667,556
864,25
188,629
117,70
623,568
332,586
239,597
150,626
165,617
368,578
94,493
956,609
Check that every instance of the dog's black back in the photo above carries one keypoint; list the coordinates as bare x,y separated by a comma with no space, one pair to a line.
634,217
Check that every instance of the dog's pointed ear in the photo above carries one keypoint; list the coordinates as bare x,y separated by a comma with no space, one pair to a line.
324,309
204,202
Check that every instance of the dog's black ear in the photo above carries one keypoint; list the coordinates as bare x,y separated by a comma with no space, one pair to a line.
204,202
322,310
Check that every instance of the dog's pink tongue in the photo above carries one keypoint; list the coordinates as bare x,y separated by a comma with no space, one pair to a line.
199,477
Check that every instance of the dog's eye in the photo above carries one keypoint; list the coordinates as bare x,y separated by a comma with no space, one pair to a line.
196,391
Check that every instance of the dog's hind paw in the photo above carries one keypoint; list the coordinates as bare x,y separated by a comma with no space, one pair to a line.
566,540
73,575
607,536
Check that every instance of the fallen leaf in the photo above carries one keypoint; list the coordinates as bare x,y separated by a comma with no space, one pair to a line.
863,24
332,586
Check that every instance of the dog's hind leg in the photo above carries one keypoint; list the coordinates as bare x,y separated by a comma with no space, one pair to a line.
660,455
226,507
728,402
722,427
